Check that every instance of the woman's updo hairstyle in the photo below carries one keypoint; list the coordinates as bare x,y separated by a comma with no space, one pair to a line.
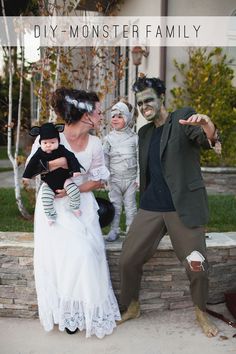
71,104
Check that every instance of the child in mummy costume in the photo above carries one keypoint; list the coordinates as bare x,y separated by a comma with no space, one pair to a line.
121,156
49,150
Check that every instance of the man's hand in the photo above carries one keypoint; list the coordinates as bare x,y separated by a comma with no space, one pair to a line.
208,127
196,119
206,124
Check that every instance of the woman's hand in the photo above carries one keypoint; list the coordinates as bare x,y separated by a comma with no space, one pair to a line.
85,187
60,193
57,163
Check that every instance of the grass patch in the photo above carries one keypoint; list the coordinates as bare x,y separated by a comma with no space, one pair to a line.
6,169
10,217
222,211
3,152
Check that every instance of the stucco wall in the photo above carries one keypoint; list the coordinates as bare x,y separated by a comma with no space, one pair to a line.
140,8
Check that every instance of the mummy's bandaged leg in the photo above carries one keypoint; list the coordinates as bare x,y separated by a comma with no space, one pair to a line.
116,198
130,203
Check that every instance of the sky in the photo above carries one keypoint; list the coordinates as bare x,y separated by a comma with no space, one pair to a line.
32,52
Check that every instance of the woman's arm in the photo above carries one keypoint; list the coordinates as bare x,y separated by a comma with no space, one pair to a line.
85,187
90,186
57,163
106,151
96,174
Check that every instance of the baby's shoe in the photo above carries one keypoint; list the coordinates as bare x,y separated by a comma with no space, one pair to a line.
51,216
77,212
112,236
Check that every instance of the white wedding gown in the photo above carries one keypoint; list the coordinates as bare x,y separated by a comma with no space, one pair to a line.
71,272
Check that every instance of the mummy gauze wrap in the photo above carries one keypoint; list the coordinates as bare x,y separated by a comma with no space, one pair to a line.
122,108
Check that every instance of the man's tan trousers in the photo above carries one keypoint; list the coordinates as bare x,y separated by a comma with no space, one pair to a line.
144,235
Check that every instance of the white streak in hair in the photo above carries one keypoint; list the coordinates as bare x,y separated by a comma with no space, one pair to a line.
87,106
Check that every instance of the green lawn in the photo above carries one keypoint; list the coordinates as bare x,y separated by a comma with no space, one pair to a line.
222,209
10,217
3,153
222,213
6,169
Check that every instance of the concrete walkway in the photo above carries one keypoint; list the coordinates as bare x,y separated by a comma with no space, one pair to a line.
167,332
7,178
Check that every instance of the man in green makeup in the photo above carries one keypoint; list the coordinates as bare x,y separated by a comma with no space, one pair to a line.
173,198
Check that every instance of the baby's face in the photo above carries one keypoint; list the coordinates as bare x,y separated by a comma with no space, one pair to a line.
48,145
117,120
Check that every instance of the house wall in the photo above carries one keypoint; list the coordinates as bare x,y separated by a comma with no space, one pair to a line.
140,8
151,65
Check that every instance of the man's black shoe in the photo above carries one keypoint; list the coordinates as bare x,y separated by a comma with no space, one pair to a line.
71,332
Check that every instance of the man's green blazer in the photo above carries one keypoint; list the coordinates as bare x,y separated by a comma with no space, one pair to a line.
180,160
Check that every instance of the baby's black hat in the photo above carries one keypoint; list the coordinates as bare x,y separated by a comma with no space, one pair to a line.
47,131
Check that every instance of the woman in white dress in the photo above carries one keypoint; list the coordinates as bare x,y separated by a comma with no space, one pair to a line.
71,273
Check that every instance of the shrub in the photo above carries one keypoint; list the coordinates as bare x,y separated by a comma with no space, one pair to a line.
206,85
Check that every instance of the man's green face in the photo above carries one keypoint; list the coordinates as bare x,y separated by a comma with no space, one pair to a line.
149,104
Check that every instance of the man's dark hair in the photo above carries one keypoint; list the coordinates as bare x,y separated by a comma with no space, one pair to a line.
142,83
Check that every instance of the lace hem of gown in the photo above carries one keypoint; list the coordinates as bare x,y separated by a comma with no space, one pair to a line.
95,320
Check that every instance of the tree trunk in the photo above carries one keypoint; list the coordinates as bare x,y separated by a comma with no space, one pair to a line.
13,160
19,202
52,115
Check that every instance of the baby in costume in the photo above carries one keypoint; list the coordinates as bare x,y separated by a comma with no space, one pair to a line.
50,149
121,157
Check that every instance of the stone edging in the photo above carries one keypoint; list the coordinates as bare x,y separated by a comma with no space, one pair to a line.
164,282
219,170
